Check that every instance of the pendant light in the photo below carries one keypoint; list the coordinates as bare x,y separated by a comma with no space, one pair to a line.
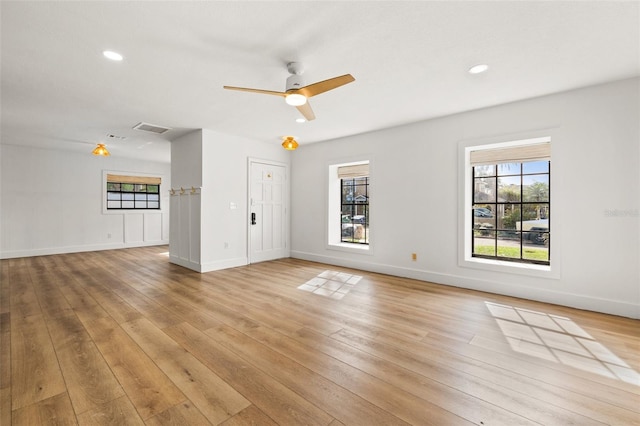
289,143
101,150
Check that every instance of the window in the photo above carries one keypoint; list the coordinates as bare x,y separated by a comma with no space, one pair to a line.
354,210
511,209
349,210
133,192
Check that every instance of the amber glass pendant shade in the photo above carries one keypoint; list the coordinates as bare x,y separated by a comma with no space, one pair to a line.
289,143
101,150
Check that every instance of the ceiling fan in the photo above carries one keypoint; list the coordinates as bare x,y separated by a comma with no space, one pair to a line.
296,94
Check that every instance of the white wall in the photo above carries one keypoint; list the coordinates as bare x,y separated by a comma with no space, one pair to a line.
416,192
223,169
52,202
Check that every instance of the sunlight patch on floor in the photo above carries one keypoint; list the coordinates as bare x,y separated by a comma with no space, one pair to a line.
558,339
331,284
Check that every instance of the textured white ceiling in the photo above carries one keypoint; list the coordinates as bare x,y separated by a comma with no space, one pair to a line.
410,61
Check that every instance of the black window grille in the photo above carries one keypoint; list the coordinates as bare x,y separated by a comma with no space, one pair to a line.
135,196
354,207
511,213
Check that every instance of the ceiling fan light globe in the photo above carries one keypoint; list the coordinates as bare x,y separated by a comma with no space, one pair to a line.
295,99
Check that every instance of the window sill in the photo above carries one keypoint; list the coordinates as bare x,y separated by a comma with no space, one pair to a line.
530,269
132,211
351,248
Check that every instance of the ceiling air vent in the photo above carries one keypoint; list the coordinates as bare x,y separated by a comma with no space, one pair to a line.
151,128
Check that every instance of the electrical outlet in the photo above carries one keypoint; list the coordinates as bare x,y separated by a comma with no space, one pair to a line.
226,245
414,256
109,235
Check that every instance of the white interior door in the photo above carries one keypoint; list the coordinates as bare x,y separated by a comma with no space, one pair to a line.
267,212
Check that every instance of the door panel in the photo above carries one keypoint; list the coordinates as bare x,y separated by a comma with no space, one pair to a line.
268,235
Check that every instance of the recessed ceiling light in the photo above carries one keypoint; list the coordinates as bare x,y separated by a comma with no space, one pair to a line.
477,69
114,56
300,120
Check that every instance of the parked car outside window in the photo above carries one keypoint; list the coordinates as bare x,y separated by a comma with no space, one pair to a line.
482,212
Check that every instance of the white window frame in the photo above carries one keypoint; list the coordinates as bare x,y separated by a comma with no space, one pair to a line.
465,258
334,224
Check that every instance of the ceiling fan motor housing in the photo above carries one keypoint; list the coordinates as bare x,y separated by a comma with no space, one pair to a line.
294,82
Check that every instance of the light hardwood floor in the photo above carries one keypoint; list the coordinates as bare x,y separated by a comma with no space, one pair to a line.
124,337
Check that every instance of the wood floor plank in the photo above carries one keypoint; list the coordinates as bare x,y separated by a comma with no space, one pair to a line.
251,415
625,347
35,373
44,282
117,307
411,355
5,350
5,345
407,407
23,298
52,301
466,396
90,381
55,410
201,319
5,288
149,308
501,347
117,412
5,406
83,305
215,399
441,402
304,310
530,366
232,307
149,389
344,405
264,312
183,414
276,400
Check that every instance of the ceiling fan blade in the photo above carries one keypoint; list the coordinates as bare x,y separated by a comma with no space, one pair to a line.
264,92
324,86
306,111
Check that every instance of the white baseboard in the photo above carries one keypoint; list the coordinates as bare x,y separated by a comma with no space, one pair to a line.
11,254
224,264
194,266
209,266
607,306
